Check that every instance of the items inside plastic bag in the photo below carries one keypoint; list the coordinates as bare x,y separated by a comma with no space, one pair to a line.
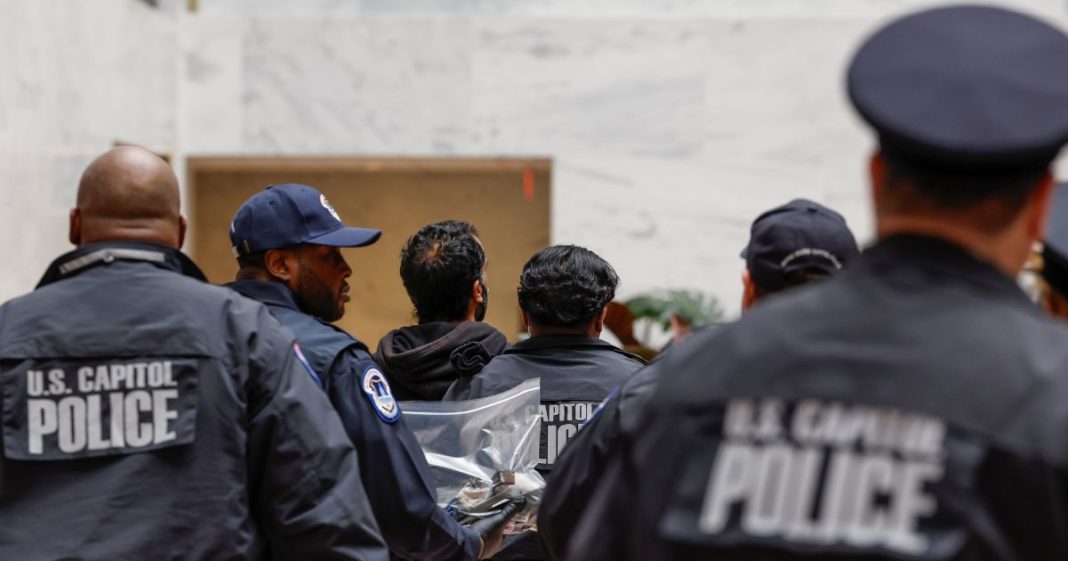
483,451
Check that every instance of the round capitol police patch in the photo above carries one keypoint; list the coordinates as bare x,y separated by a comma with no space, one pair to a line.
377,389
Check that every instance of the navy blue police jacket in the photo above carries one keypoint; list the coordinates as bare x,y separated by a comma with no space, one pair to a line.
577,373
150,415
911,408
393,467
581,465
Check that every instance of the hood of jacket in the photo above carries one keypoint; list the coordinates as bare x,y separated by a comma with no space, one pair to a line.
422,361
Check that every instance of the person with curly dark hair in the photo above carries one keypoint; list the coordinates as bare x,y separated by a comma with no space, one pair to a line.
563,293
443,267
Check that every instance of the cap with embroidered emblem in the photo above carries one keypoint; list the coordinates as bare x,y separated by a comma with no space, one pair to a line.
798,235
291,214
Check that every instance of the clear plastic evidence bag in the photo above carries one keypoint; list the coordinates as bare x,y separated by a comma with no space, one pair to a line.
483,451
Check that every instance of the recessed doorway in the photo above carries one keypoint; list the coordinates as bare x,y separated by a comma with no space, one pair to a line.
506,199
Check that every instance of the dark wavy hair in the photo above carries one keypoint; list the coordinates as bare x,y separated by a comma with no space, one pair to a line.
438,266
566,286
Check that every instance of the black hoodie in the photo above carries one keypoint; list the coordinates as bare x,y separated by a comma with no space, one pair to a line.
422,361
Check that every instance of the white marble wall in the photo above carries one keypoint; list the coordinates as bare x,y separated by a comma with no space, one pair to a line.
671,123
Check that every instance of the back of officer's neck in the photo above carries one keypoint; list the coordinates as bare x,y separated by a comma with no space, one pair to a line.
149,230
1006,249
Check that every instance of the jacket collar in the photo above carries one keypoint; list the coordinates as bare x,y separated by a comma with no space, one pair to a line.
104,253
269,292
906,255
558,341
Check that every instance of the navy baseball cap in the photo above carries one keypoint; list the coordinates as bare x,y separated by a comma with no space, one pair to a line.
292,214
1055,246
965,88
798,235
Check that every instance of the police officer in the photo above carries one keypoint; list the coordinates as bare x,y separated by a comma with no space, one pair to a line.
912,408
150,415
790,245
563,292
287,241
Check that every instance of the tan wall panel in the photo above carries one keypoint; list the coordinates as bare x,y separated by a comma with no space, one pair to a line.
399,197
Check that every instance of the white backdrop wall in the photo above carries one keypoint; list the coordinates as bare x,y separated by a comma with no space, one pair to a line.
671,123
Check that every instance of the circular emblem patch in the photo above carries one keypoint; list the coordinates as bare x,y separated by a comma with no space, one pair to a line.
377,389
329,207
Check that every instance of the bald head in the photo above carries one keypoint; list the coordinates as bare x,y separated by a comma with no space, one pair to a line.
128,193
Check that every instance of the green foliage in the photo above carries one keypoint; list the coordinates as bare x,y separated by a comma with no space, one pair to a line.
691,305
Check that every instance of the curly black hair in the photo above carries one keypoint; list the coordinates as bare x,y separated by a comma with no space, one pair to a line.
438,266
566,286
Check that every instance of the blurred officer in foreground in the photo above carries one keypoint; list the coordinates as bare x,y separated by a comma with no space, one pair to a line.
790,245
287,240
150,415
443,267
912,408
563,291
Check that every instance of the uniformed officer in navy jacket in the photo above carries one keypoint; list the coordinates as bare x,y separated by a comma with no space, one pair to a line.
287,239
789,246
913,407
150,415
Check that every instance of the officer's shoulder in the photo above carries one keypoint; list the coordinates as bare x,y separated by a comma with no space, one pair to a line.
503,364
699,362
623,357
330,330
191,292
242,318
641,383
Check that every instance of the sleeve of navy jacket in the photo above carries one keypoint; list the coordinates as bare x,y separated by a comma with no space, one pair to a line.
311,500
394,469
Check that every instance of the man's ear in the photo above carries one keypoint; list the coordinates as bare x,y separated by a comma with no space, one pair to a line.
523,315
598,324
1041,198
478,292
74,231
183,225
281,264
749,294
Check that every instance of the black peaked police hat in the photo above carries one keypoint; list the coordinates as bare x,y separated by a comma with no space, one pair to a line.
796,236
965,88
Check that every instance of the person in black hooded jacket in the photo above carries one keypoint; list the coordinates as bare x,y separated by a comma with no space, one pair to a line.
443,267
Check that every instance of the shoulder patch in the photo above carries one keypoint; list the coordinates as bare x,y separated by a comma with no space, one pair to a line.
378,391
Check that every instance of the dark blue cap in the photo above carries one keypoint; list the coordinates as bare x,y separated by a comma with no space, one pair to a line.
798,235
292,214
1055,246
965,88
